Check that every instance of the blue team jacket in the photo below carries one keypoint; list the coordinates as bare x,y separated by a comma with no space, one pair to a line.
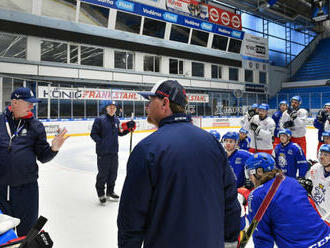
179,191
105,133
276,117
320,127
18,165
290,220
290,158
244,144
237,161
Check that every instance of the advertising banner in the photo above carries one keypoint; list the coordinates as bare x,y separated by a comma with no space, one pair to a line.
320,10
163,15
255,47
45,92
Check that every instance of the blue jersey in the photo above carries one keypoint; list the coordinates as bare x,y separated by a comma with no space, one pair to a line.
244,144
291,158
290,220
276,117
237,161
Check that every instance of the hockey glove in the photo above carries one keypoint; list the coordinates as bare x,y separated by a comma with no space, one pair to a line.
321,116
288,124
311,162
129,126
254,127
248,184
251,112
293,115
307,184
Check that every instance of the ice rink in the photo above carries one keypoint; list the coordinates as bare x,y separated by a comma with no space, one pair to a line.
68,197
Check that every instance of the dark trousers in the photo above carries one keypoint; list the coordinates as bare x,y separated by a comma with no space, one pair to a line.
23,204
107,166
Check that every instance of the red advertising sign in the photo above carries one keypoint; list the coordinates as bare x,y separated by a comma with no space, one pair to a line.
224,18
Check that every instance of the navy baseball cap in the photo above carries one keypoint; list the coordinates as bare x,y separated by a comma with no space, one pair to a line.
170,89
24,94
110,102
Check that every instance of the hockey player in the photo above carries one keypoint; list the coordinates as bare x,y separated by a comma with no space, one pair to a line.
216,134
295,119
289,156
247,117
290,220
326,137
261,130
320,122
320,176
244,140
276,117
236,157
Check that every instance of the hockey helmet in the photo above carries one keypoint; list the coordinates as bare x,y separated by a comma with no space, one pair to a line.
283,102
326,133
242,130
216,134
230,135
287,132
325,148
296,98
254,105
263,106
259,160
326,105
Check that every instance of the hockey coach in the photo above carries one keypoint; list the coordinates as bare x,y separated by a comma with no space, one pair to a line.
179,190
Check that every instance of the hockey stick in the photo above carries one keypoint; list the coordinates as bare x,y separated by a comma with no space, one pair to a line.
131,136
33,232
262,209
255,142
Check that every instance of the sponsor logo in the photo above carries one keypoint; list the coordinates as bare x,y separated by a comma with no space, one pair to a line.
51,129
221,30
225,19
206,26
106,1
125,5
214,15
170,17
23,132
321,242
236,34
236,22
152,12
191,22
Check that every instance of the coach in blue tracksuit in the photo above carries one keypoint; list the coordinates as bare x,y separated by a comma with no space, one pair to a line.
105,132
290,220
22,142
179,190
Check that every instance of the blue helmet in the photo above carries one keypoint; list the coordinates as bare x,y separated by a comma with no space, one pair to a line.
242,130
263,106
296,98
287,132
259,160
325,148
326,133
254,105
231,135
216,134
283,102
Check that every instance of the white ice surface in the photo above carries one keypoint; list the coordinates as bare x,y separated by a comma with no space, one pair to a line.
68,197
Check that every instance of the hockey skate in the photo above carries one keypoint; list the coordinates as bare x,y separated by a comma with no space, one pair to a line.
102,200
112,197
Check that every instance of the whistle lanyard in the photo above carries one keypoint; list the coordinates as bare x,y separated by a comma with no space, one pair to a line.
11,136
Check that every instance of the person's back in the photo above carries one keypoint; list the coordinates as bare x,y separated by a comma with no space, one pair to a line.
188,185
290,219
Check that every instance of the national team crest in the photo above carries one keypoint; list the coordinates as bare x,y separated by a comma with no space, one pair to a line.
319,193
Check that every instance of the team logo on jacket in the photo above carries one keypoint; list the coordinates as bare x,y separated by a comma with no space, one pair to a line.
290,152
24,132
282,163
238,160
319,193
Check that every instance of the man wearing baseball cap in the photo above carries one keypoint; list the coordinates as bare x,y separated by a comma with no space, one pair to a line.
105,132
23,141
178,182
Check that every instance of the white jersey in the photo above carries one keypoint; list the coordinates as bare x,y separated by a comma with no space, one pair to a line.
321,190
245,121
299,128
264,132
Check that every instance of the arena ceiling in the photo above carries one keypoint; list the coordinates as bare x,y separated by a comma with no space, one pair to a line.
283,11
